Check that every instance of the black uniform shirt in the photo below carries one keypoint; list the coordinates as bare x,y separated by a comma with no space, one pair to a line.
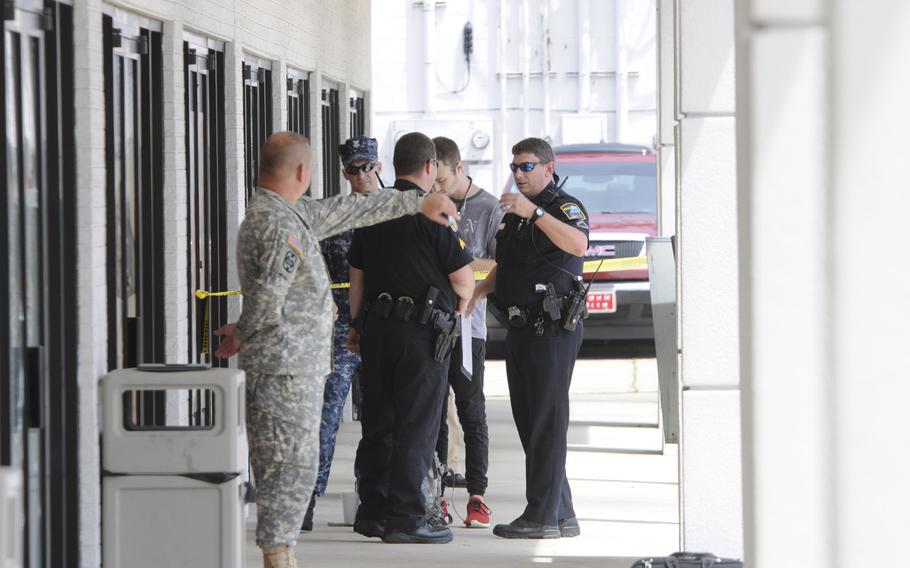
405,256
525,256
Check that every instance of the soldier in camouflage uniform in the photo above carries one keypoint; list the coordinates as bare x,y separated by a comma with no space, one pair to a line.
361,168
285,329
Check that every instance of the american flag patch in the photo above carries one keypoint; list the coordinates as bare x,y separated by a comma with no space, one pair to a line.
295,245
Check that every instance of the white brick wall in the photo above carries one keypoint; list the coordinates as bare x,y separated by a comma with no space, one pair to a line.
92,289
323,37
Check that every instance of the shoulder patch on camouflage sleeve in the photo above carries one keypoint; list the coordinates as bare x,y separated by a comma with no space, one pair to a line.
294,243
572,212
290,261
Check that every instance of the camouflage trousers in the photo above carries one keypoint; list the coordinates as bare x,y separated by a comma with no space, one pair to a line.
336,392
283,413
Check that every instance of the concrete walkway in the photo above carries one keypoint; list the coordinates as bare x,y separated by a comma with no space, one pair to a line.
625,489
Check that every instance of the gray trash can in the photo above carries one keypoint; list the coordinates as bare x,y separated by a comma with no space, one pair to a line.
173,457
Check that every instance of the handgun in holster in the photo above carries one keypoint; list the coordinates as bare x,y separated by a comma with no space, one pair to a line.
576,306
551,303
448,334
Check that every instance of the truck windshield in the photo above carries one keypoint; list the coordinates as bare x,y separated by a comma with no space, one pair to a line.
609,188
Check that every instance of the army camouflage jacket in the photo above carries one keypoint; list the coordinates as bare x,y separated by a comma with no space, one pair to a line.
286,319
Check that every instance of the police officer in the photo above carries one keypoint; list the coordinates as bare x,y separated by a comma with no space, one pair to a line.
284,331
539,254
408,277
480,219
360,166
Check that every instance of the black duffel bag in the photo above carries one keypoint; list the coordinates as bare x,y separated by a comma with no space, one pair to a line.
688,560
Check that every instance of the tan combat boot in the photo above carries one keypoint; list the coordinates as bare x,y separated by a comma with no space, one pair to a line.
278,557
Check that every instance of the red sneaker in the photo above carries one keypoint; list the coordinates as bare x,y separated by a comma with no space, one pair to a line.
478,513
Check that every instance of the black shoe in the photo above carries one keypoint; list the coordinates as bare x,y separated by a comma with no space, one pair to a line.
307,525
368,528
520,528
425,534
569,527
452,479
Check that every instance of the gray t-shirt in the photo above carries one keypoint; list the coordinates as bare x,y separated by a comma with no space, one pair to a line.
480,219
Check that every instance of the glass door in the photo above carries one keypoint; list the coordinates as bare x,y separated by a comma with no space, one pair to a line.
38,409
207,253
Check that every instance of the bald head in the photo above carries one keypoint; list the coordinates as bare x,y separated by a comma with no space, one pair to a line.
282,153
285,164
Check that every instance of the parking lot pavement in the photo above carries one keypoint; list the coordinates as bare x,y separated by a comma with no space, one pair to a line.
624,484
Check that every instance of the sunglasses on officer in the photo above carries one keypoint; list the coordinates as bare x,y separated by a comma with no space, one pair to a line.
524,166
353,170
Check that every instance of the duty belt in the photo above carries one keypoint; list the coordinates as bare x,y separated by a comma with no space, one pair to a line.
535,314
403,309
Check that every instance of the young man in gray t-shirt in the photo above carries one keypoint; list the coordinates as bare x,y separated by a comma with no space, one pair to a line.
480,219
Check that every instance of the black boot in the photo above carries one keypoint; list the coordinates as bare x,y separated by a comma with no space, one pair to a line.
307,525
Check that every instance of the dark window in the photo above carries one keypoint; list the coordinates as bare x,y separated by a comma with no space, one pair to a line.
257,117
299,103
358,120
331,164
135,224
207,253
38,308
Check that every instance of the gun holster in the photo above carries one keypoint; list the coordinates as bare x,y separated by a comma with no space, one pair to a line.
448,328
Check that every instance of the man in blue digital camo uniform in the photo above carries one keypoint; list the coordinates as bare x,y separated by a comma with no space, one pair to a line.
284,332
361,168
480,219
537,284
408,277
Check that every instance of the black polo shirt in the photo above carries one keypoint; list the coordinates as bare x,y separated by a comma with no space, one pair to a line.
525,256
406,256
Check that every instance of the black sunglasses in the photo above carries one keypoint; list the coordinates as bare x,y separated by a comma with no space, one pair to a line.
353,170
524,166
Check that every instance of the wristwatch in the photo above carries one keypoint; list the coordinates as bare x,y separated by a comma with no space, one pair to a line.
537,214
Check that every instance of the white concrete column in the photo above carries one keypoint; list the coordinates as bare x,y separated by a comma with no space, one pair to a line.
234,158
710,480
666,119
316,185
821,94
175,199
870,336
279,95
783,142
91,175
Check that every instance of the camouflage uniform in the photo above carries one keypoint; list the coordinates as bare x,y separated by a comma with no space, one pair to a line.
335,251
286,330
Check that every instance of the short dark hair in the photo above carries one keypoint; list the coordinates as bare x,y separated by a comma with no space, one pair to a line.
412,152
447,151
536,146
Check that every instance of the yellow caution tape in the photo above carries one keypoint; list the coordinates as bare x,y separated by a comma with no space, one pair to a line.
605,265
616,264
205,295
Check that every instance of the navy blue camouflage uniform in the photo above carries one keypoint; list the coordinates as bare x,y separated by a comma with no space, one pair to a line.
345,363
